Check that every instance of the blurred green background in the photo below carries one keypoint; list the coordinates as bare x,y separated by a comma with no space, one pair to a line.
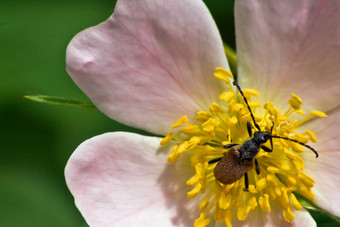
37,139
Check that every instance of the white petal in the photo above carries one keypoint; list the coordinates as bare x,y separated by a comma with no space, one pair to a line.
325,169
123,179
290,47
150,63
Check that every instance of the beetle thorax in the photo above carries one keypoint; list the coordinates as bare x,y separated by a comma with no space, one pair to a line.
249,150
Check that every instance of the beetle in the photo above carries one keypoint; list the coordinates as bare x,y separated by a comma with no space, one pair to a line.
241,157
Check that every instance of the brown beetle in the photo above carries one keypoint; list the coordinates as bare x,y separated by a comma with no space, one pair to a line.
239,159
231,168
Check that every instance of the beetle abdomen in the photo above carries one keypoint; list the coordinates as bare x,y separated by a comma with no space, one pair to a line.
230,168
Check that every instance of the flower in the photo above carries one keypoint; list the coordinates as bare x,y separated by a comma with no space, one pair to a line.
151,66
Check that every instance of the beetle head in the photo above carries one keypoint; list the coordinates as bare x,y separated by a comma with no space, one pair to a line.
261,137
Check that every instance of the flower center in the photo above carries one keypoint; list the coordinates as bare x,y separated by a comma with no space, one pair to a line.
278,174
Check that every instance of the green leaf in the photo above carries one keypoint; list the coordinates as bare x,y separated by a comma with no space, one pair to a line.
323,218
60,101
232,58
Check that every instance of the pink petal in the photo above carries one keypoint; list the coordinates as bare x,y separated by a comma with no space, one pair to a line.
325,169
290,46
150,63
123,179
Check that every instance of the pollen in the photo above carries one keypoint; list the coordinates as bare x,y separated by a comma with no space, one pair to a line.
280,176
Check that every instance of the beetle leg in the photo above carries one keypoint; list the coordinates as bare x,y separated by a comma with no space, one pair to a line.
249,128
271,138
214,160
271,129
257,167
246,182
271,143
227,146
267,149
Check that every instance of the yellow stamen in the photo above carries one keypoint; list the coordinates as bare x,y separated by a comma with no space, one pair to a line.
174,155
233,120
264,202
288,215
202,116
291,181
226,96
318,113
202,221
193,180
301,138
210,125
254,104
228,218
215,109
242,212
204,204
251,92
273,169
166,139
311,135
224,201
194,191
306,192
281,172
295,202
223,74
178,123
295,102
272,178
307,180
191,130
297,147
261,184
312,114
283,198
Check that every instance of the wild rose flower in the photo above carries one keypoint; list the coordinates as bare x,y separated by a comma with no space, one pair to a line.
152,64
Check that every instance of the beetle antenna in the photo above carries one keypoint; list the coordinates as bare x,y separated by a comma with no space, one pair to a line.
295,141
245,100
